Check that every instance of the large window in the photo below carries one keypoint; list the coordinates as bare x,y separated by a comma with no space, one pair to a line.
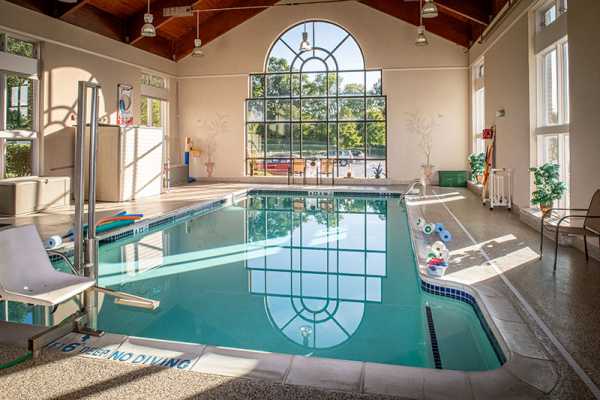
18,88
478,101
316,103
552,125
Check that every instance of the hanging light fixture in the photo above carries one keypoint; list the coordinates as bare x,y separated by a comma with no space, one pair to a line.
429,9
148,30
421,38
305,44
197,52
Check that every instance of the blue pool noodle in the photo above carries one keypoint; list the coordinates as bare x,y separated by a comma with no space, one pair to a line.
439,227
445,236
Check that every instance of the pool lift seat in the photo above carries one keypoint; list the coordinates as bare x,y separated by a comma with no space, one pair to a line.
27,276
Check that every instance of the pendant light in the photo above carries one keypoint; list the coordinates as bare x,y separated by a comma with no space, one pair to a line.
148,30
305,44
421,38
429,9
197,52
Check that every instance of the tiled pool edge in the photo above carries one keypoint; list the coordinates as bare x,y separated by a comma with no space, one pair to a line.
519,373
523,353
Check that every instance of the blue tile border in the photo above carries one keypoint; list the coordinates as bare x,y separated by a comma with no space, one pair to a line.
467,298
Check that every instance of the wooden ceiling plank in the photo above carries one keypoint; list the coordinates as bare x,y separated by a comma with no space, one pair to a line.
136,21
443,25
62,10
474,10
96,20
218,25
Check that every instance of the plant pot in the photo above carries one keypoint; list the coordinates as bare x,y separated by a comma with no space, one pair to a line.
427,173
545,208
210,167
437,271
349,174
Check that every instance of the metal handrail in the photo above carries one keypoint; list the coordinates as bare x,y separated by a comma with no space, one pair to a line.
65,258
86,246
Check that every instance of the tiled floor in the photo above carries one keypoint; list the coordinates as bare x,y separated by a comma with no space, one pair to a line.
565,301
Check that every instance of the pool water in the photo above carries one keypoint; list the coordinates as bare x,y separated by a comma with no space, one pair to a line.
317,276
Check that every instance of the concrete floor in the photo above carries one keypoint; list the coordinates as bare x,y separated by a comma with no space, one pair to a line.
565,301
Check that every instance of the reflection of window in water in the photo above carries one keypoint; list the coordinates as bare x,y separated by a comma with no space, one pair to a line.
143,255
322,260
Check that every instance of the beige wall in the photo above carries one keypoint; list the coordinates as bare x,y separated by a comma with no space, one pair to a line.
584,60
432,80
509,74
70,54
507,87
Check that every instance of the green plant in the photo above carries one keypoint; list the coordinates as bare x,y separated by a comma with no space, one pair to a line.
477,163
378,171
18,159
547,184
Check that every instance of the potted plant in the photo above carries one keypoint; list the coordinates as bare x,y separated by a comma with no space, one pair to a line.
477,163
378,171
548,186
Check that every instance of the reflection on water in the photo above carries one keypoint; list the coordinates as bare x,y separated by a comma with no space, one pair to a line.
330,263
318,276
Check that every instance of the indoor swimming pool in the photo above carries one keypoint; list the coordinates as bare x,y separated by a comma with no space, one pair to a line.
330,276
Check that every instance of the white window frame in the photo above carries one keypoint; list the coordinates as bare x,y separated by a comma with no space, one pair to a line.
548,38
24,67
478,106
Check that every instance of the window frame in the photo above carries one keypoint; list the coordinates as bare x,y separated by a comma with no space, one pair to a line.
478,105
28,65
290,122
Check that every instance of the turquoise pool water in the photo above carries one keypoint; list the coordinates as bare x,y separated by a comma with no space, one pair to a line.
328,277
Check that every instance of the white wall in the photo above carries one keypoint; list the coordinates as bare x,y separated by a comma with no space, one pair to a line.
432,79
70,54
507,87
509,74
584,75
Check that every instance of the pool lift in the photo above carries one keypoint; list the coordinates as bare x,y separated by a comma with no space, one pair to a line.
31,279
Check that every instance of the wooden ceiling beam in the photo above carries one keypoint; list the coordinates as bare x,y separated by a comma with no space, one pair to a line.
443,25
96,20
475,11
218,25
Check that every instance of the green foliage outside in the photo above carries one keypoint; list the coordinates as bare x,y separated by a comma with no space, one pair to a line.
155,109
547,184
19,103
18,159
314,135
20,47
477,163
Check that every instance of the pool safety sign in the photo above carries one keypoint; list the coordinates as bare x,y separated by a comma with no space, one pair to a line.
130,350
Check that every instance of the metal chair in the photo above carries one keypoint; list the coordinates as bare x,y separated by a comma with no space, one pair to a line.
298,166
326,168
563,223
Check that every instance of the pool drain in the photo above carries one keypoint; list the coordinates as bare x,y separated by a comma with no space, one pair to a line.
434,343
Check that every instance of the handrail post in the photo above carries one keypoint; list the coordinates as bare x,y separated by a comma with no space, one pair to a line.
78,177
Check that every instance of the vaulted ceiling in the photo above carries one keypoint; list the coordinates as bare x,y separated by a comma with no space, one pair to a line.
460,21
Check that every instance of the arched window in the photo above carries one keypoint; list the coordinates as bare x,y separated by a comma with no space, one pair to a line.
316,100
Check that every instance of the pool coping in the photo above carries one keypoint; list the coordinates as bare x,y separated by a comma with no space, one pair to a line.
527,369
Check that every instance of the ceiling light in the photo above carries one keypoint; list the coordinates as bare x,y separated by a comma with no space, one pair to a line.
197,51
421,38
429,9
148,30
305,44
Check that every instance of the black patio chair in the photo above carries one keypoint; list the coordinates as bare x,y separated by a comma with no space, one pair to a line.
558,220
